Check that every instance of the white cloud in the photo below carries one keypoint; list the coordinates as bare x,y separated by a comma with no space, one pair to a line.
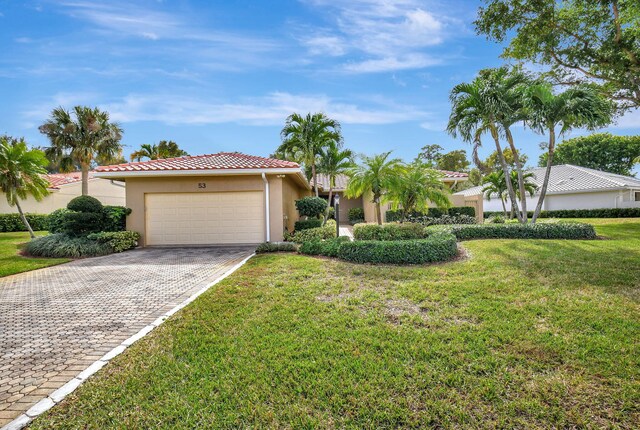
631,119
388,64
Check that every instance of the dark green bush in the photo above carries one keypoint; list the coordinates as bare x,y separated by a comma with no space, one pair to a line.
449,219
438,247
431,213
311,206
276,247
85,204
306,224
557,230
495,219
60,245
583,213
328,231
12,222
115,218
355,215
328,248
118,241
56,220
85,215
332,213
389,231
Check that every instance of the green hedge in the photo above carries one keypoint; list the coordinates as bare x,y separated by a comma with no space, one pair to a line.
328,248
118,240
431,213
276,247
388,231
115,218
13,222
583,213
438,247
355,215
328,231
558,230
307,224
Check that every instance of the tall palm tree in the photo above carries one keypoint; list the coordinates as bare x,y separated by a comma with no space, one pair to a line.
164,149
332,162
21,171
374,175
414,187
578,107
304,137
78,138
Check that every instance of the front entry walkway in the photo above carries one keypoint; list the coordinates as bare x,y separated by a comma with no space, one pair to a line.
57,321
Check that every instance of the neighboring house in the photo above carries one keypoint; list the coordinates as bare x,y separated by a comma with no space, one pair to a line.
224,198
65,186
575,187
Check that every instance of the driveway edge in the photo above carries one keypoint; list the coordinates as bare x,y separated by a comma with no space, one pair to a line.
61,393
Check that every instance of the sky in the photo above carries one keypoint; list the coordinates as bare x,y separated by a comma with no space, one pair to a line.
224,75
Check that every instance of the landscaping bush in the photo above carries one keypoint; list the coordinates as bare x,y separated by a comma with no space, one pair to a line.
118,241
311,207
495,219
13,222
276,247
431,213
388,231
115,218
438,247
306,224
559,230
583,213
449,219
332,213
55,221
85,204
85,215
61,245
328,248
355,215
328,231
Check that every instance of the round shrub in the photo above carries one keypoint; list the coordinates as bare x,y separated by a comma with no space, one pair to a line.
56,220
311,206
64,246
438,247
389,231
85,215
85,204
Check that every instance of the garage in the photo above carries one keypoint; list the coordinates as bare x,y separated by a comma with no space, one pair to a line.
205,218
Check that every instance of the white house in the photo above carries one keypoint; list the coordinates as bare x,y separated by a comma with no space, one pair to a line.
65,186
575,187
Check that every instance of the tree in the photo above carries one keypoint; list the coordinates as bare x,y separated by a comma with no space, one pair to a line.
21,171
492,164
304,137
495,185
454,161
332,162
374,175
555,114
581,40
414,187
76,140
601,151
108,160
164,149
430,154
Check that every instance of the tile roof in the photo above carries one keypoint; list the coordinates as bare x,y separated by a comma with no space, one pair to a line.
342,180
58,179
221,160
567,178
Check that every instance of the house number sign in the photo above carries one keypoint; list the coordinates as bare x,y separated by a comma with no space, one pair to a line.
202,185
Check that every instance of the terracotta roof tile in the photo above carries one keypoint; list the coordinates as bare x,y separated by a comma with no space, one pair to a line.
58,179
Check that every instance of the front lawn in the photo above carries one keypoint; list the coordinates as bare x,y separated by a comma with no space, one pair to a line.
522,334
11,262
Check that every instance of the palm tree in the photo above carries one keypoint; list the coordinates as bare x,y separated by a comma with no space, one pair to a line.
21,171
334,161
304,137
164,149
580,106
375,175
414,187
494,184
79,141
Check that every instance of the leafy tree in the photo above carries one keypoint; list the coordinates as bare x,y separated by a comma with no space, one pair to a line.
556,114
602,151
164,149
581,40
455,161
492,164
374,175
334,161
303,138
430,154
495,185
414,186
311,206
78,138
21,171
475,177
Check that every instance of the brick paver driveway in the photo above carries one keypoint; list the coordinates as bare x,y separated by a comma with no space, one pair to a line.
55,322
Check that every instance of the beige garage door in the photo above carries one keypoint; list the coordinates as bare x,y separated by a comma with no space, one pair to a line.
205,218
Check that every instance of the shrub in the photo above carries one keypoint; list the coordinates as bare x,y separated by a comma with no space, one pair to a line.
118,241
328,231
438,247
559,230
85,204
332,213
56,220
276,247
389,231
311,206
12,222
450,219
328,248
115,218
431,213
355,215
60,245
584,213
307,224
85,215
495,219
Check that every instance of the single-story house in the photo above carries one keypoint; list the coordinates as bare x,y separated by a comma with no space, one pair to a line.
574,187
65,186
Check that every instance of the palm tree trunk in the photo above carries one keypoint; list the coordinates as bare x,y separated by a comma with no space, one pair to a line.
547,173
24,220
85,179
504,208
378,210
326,213
315,179
507,176
516,159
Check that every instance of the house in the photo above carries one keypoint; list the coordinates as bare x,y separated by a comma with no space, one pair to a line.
223,198
574,187
65,186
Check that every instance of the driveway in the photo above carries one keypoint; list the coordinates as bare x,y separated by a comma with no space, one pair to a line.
55,322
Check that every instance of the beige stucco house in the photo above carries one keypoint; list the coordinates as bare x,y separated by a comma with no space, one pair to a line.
65,186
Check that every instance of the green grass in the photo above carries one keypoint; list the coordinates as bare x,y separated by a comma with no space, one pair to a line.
522,334
11,262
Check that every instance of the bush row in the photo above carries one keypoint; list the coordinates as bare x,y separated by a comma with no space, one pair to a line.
118,241
306,224
276,247
13,222
114,218
388,231
328,248
355,215
558,230
328,231
431,213
582,213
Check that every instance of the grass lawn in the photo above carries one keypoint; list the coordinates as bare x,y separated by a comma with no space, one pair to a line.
11,262
523,334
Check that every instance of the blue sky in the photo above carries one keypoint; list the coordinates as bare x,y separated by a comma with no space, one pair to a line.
223,75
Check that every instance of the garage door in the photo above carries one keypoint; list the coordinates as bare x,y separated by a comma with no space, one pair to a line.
204,218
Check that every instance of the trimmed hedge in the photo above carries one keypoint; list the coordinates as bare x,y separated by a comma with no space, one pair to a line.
388,231
583,213
311,206
118,240
328,231
276,247
431,213
306,224
328,248
558,230
449,219
60,245
355,215
12,222
115,218
438,247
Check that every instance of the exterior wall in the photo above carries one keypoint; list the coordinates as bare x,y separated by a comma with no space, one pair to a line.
346,204
102,189
290,193
475,202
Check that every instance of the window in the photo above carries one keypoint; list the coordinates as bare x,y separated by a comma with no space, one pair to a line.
637,194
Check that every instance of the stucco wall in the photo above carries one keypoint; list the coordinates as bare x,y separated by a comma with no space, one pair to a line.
290,193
